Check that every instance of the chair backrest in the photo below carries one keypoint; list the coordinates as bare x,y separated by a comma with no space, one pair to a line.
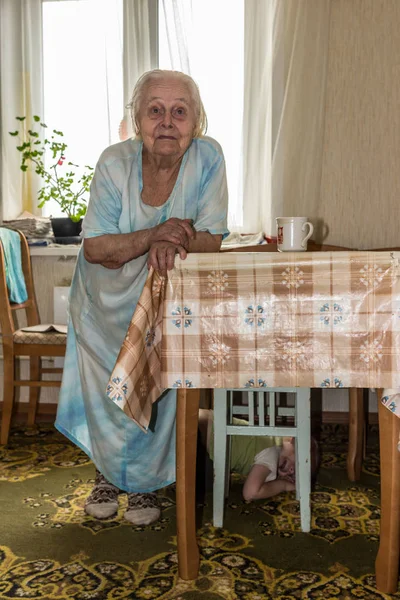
7,307
259,407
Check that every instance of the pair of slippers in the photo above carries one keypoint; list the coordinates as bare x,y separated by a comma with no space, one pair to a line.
102,503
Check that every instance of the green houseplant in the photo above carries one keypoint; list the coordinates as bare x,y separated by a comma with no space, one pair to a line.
64,182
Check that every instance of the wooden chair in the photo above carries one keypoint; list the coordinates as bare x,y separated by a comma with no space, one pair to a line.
262,403
18,343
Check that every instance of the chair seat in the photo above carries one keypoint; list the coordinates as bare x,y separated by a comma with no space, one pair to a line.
30,337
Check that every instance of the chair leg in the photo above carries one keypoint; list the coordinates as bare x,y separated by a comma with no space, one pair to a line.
356,431
228,467
229,405
8,396
33,391
219,458
303,457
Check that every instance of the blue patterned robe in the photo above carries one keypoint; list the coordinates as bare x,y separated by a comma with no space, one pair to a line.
102,302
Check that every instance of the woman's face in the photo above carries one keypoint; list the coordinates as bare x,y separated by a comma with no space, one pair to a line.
166,118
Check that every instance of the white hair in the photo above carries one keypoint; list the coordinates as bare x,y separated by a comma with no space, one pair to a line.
159,75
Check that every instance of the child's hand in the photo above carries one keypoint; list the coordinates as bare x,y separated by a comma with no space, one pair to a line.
288,477
290,486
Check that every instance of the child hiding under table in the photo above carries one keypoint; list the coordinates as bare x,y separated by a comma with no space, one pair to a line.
268,462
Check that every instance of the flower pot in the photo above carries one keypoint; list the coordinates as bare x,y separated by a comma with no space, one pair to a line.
63,227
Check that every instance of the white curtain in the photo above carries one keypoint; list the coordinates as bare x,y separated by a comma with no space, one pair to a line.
178,20
21,83
301,40
193,39
139,43
286,52
257,130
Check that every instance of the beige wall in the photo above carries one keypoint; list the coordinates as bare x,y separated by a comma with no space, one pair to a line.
360,184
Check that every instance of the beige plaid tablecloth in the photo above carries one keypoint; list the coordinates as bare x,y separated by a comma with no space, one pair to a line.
238,320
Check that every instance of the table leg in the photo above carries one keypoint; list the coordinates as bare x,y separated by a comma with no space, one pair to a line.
356,433
387,560
187,419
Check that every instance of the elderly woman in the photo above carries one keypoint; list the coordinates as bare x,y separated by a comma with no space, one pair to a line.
152,197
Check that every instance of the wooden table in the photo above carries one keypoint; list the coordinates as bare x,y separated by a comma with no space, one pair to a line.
387,561
164,348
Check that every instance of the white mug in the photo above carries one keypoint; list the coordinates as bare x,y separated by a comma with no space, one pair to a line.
290,233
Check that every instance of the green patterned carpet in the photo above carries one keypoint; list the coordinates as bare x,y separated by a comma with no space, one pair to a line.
49,549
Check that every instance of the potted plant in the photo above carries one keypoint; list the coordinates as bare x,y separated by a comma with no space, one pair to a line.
64,182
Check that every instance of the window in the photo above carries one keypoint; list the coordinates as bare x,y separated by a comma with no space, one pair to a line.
211,50
83,95
83,77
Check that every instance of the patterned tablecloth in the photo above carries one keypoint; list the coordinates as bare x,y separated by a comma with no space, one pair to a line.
238,320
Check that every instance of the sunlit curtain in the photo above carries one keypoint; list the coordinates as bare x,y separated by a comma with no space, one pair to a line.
82,65
195,37
177,17
257,115
138,57
21,95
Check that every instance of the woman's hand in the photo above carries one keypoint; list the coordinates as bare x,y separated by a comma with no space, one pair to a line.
175,231
162,256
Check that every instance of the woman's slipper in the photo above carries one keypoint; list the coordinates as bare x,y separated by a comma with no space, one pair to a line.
102,503
143,509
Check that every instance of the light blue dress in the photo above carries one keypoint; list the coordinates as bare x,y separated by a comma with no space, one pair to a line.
102,302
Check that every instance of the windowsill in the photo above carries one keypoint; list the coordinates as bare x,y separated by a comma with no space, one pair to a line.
61,250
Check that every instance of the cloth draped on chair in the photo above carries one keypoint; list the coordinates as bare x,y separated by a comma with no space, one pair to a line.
14,275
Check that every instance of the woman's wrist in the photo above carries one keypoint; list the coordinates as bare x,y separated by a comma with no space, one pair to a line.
150,236
114,250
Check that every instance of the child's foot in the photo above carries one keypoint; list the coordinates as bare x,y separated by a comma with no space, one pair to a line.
102,502
143,509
